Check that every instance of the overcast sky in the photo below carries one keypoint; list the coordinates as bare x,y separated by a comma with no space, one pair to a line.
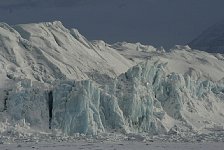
156,22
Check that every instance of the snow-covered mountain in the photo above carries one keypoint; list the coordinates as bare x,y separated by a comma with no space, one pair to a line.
211,40
53,79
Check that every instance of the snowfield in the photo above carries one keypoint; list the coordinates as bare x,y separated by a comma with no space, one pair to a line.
56,86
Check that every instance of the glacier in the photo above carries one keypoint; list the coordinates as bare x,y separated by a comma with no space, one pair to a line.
144,99
53,79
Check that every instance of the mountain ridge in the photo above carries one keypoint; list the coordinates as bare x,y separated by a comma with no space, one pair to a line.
211,40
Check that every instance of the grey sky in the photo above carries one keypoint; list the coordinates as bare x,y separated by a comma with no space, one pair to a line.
155,22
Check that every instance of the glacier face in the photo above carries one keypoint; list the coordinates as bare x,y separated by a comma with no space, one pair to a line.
126,106
55,79
76,108
29,101
144,99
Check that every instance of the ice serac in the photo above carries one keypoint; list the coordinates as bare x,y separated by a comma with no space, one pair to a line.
127,104
76,108
136,97
144,99
152,92
191,101
181,60
28,101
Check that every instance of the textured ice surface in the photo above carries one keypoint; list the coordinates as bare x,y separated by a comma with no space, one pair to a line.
76,108
144,99
29,102
181,60
82,107
55,80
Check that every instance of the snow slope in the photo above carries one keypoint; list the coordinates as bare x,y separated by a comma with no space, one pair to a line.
48,51
93,88
179,59
211,40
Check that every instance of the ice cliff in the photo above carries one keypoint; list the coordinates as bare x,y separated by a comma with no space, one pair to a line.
144,99
54,79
